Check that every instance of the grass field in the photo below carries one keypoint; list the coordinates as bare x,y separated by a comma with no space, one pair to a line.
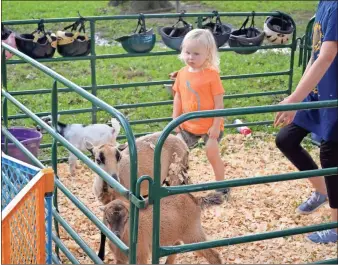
125,70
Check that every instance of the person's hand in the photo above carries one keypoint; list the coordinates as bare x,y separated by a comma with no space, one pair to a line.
214,132
178,129
173,75
284,118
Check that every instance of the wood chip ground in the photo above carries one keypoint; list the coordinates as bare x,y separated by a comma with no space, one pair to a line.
250,209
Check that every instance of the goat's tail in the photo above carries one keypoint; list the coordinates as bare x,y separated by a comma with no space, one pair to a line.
212,198
116,126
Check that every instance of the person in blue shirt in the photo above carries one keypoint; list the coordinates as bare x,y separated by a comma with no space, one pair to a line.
319,82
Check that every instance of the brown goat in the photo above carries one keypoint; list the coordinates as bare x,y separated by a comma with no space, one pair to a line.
116,162
180,222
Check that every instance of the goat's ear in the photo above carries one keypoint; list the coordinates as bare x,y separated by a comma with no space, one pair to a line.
121,147
102,208
89,146
118,155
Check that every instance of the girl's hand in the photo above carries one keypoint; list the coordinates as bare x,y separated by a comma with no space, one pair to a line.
285,117
214,132
178,129
173,75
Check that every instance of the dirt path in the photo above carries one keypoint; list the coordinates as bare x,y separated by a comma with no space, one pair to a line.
252,209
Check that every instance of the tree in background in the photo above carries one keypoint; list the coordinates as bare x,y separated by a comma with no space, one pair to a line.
147,6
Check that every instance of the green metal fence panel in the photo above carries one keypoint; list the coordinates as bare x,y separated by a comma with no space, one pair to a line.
159,192
112,182
156,191
93,57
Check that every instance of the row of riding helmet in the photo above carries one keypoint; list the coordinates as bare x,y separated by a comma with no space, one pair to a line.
41,44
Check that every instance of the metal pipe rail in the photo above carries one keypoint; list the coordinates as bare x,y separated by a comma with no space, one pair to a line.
134,201
158,192
93,57
78,203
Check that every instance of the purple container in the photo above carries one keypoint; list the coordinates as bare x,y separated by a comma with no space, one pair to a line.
30,138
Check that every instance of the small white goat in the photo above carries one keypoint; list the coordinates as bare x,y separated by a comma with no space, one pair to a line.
77,134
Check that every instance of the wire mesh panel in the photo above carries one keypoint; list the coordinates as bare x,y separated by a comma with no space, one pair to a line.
26,213
14,176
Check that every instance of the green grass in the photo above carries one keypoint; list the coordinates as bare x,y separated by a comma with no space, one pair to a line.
141,69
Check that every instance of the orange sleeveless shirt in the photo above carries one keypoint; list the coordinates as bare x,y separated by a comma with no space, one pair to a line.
197,91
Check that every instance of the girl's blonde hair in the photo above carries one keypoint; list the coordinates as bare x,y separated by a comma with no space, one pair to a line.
205,38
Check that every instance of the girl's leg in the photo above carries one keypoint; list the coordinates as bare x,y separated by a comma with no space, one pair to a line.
214,157
329,158
288,141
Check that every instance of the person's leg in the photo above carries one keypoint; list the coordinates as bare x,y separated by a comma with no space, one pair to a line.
329,158
288,142
214,157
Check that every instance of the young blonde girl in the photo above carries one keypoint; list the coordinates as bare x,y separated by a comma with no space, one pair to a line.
198,87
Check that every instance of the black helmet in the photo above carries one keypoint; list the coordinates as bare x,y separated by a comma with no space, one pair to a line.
220,31
139,41
73,44
278,29
38,44
174,35
246,37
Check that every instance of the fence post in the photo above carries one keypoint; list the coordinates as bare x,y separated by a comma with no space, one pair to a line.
55,157
293,50
93,69
4,104
49,187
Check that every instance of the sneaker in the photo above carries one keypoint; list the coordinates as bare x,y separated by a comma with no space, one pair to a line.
313,203
323,237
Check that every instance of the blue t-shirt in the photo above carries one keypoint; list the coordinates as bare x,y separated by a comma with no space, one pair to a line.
324,121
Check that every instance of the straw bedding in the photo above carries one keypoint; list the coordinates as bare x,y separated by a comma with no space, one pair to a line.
250,209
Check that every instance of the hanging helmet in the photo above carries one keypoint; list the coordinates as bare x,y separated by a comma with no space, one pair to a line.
246,37
39,44
278,29
174,35
73,44
220,31
8,37
139,41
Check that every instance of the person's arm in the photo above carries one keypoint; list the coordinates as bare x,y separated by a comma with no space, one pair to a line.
308,65
215,128
177,109
218,99
310,79
315,72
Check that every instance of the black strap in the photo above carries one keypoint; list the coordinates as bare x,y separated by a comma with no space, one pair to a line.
180,19
40,28
79,22
252,20
244,23
142,24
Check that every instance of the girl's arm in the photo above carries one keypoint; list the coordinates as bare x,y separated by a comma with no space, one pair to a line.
310,79
177,109
218,99
314,74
